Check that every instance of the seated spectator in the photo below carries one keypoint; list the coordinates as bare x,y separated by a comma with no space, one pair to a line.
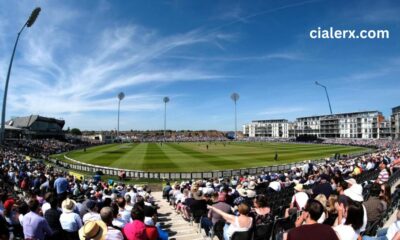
354,220
70,221
322,199
106,214
383,176
331,210
261,213
241,223
213,217
122,212
35,226
374,205
386,195
135,230
307,226
323,186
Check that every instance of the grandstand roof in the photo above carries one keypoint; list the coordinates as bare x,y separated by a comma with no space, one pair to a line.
26,122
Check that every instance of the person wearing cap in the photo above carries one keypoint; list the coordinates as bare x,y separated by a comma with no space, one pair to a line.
35,226
10,215
106,214
355,193
93,214
70,221
93,230
300,198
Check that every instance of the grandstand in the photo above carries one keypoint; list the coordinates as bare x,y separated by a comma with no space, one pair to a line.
186,209
35,126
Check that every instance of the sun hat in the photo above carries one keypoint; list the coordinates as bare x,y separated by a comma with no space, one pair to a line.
68,205
252,185
355,193
242,192
298,187
93,230
352,181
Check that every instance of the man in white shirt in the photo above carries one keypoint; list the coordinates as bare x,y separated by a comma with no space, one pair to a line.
300,198
92,215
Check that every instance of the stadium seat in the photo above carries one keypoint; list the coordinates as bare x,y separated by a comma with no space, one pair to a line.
218,230
242,235
263,231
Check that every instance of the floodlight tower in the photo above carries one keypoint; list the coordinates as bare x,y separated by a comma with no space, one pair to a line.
327,96
120,96
235,98
31,20
165,100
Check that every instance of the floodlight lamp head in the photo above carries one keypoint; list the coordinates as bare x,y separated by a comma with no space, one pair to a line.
235,97
166,99
121,96
33,17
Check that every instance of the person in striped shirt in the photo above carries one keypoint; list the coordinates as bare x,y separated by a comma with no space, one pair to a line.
383,174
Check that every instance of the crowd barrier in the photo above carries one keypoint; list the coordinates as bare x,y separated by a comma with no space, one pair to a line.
85,167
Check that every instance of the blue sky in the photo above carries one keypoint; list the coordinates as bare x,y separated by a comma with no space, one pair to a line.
79,54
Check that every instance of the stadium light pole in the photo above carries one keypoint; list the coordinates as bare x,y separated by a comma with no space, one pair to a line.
120,96
235,98
31,20
165,100
327,96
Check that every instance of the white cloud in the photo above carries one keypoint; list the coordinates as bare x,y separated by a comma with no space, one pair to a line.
63,73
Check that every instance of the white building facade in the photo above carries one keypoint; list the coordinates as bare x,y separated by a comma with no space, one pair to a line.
275,128
395,122
362,125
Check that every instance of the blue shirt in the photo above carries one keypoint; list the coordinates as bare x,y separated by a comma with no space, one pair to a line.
35,226
61,185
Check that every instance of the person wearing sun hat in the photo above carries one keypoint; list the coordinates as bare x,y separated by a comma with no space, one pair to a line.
70,221
93,230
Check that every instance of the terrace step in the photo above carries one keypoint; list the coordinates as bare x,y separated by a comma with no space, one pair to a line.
173,223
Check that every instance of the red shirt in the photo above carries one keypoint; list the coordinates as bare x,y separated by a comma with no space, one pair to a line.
151,232
135,230
312,232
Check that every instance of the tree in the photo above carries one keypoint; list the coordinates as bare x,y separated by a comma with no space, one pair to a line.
76,131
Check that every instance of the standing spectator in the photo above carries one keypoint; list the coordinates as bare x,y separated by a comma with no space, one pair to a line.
93,214
307,227
52,216
61,186
35,226
70,221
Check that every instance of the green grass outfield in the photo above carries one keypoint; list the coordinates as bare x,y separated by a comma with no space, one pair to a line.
194,157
